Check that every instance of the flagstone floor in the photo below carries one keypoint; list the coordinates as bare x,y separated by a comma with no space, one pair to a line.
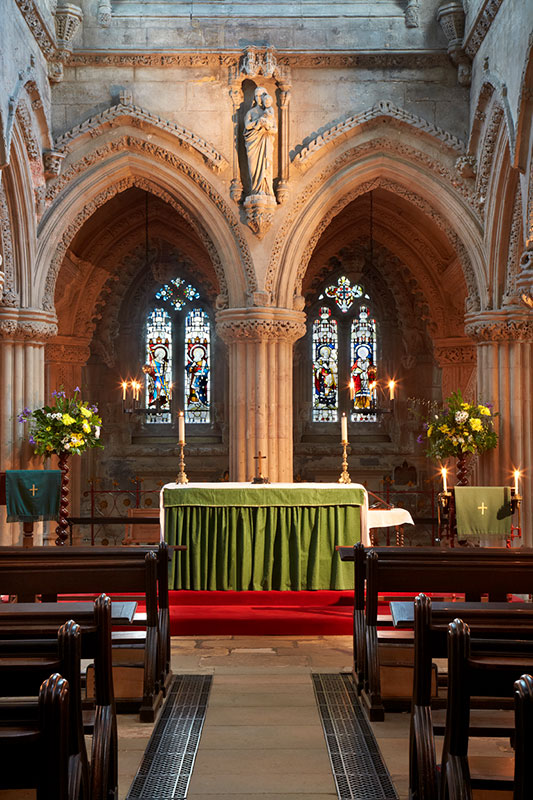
262,736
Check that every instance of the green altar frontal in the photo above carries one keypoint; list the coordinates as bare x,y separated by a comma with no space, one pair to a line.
262,537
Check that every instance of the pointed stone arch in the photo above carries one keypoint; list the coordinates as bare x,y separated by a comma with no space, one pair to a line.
524,117
119,164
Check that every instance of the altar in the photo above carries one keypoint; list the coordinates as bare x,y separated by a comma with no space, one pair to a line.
264,537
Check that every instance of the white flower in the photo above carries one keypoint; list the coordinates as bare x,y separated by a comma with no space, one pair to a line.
97,431
66,445
461,416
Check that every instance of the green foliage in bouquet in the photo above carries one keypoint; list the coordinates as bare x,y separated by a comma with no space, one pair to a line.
459,428
68,426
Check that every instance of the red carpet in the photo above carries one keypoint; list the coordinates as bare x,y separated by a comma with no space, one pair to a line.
260,613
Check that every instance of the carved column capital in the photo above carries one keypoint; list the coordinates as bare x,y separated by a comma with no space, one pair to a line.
500,326
68,19
260,325
65,350
27,324
454,352
451,18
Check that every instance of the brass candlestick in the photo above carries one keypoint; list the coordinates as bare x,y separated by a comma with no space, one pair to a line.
345,477
182,475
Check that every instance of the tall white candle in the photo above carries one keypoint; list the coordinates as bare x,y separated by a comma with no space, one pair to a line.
444,473
181,428
392,384
344,429
516,476
124,387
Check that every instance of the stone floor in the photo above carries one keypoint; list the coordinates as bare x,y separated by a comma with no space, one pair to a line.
262,735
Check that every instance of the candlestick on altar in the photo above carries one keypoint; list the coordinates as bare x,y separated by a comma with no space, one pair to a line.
344,429
345,476
181,428
182,475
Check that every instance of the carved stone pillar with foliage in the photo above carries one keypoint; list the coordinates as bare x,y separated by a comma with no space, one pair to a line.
260,343
23,334
505,378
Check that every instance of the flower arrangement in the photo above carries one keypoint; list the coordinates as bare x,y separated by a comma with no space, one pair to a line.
459,428
67,426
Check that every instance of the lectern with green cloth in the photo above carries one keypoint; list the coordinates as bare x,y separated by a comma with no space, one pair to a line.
484,512
273,537
32,495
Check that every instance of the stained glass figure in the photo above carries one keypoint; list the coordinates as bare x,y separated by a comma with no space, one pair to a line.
158,366
363,372
344,293
177,292
325,368
197,366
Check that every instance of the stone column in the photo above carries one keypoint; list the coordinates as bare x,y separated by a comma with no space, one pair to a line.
457,359
505,378
260,343
23,333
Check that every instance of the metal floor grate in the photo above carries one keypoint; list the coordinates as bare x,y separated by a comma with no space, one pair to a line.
167,764
356,761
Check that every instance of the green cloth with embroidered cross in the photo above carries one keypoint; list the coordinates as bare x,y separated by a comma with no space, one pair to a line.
32,494
483,510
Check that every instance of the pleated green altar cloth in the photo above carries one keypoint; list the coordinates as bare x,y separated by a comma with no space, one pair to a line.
262,537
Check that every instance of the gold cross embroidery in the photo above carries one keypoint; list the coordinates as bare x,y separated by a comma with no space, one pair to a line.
482,508
34,489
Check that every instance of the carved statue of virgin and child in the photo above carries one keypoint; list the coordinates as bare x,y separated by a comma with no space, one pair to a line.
260,130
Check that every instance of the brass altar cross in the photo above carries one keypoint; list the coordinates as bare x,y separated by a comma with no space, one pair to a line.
34,489
259,459
482,508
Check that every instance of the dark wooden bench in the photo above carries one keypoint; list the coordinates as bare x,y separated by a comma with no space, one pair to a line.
51,571
523,774
491,674
43,743
469,571
30,637
21,721
502,622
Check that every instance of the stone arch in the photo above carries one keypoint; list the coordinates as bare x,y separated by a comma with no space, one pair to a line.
91,181
24,96
491,101
524,116
359,171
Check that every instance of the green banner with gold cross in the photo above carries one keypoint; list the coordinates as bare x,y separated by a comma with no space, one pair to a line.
483,510
32,494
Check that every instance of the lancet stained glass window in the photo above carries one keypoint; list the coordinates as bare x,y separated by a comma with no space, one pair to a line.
178,348
158,366
363,373
344,354
197,366
325,368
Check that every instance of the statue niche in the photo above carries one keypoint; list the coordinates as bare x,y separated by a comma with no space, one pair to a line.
259,132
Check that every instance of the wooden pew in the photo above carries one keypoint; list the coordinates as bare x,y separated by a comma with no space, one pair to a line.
21,677
493,675
22,637
523,774
51,571
473,571
431,641
43,743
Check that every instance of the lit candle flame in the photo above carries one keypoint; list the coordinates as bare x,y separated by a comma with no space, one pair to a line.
444,473
391,385
516,474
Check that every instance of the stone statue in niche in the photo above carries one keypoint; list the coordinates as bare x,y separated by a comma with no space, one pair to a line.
260,129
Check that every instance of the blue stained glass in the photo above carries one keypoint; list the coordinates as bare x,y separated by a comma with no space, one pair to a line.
158,366
197,366
363,372
325,368
177,293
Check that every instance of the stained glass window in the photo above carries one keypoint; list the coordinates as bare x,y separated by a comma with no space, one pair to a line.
325,368
158,365
177,292
197,366
363,373
344,293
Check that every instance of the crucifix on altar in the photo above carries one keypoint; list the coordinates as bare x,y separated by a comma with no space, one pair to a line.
259,477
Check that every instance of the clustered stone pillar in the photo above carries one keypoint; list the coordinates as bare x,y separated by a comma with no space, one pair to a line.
505,377
24,333
260,343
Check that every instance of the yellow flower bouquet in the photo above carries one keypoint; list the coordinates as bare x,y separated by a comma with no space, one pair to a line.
459,428
70,425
